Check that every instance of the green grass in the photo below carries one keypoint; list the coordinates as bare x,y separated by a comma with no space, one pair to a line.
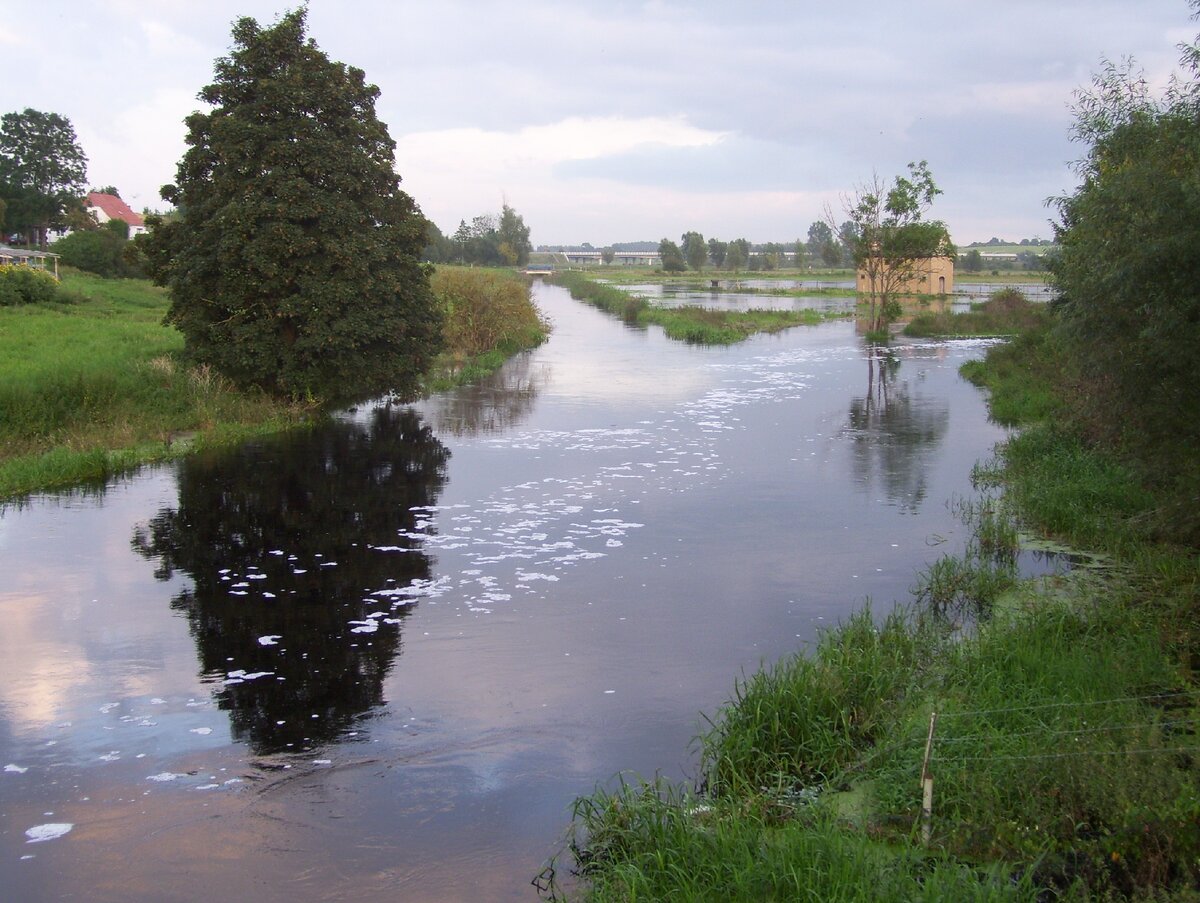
96,385
696,325
92,388
1007,312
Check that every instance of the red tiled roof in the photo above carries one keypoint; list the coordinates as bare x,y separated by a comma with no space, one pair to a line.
114,208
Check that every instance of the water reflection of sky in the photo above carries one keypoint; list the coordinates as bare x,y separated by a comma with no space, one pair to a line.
730,298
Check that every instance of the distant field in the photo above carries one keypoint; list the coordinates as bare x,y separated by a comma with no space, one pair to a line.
1005,249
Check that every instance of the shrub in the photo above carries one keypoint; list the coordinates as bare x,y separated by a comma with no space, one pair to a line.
485,310
23,285
97,251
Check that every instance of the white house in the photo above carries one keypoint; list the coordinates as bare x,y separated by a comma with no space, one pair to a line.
105,207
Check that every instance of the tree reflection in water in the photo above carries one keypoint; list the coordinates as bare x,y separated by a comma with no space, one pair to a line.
497,402
893,432
278,539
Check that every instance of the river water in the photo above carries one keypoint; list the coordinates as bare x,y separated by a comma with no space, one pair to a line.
380,660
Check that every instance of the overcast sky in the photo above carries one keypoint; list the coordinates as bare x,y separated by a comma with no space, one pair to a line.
624,121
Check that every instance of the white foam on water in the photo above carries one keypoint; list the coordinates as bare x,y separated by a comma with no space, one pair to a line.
15,769
51,831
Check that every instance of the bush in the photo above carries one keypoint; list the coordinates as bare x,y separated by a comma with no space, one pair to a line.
485,310
96,252
23,285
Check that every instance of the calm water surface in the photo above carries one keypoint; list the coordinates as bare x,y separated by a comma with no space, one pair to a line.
379,661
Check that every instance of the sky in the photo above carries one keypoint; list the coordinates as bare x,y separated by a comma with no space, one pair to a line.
617,121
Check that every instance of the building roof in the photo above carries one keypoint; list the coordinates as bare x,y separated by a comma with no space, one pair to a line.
114,208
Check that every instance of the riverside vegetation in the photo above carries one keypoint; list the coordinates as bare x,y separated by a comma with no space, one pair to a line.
92,383
688,324
1065,741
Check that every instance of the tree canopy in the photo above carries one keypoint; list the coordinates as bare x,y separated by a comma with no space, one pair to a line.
672,256
695,251
1126,268
42,171
294,262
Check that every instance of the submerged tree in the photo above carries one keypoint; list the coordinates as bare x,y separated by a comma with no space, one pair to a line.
889,238
294,263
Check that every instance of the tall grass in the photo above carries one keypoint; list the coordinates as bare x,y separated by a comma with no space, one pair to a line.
1007,312
489,317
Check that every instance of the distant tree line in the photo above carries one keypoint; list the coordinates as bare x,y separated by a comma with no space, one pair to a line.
488,240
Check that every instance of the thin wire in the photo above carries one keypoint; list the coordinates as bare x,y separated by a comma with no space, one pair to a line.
1076,755
1082,730
1060,705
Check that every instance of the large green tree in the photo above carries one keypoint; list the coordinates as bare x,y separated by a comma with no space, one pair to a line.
672,257
1127,267
514,237
695,251
42,171
294,263
716,252
890,237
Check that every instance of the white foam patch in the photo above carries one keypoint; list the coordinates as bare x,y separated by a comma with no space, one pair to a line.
15,769
50,831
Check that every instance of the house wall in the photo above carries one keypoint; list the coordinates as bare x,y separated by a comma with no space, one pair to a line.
933,276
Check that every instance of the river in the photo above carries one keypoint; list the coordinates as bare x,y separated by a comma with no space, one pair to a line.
380,660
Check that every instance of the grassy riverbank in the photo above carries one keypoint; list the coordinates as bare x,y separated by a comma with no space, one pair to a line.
687,324
1007,312
1063,753
94,384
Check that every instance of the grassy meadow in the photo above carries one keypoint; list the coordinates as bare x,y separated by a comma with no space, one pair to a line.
93,383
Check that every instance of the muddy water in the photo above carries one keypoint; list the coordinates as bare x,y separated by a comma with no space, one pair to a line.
379,661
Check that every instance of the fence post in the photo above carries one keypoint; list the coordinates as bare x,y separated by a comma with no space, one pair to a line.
927,784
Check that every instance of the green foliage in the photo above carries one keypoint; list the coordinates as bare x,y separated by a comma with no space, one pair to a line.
294,263
486,310
650,841
96,387
696,325
1126,265
737,254
716,252
513,235
672,257
1006,312
887,236
25,285
695,251
100,251
42,170
806,719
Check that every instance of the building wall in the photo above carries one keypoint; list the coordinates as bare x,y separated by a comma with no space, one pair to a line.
933,276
